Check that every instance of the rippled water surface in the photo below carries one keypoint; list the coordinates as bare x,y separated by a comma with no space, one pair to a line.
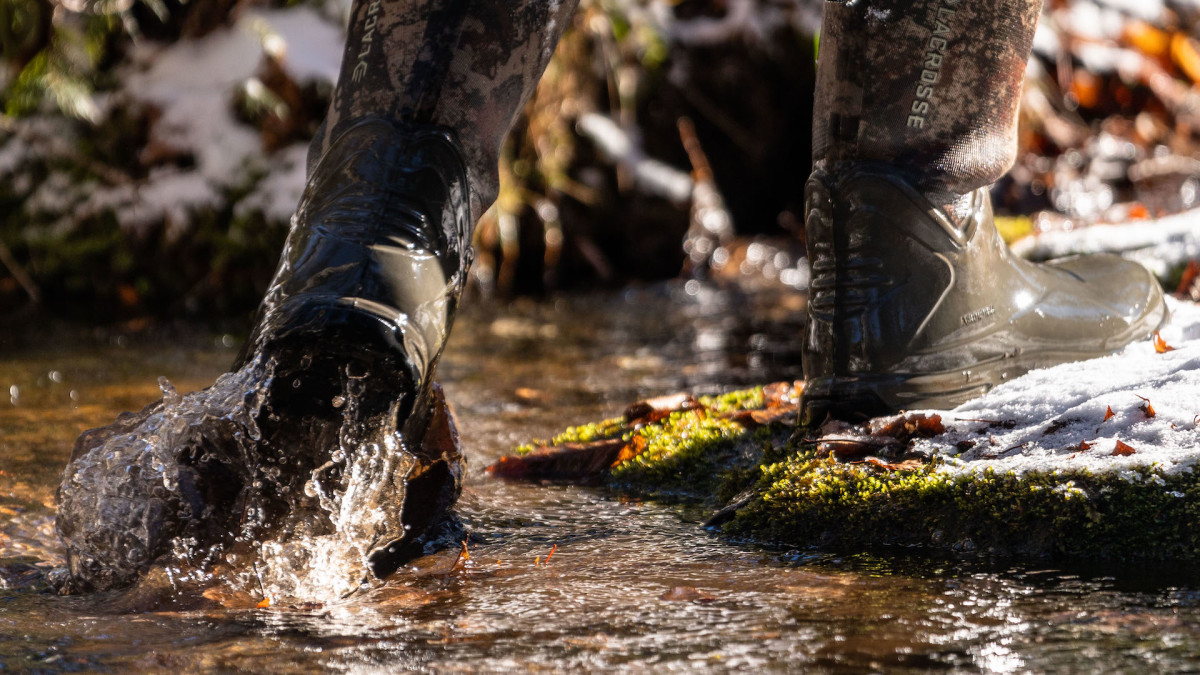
631,584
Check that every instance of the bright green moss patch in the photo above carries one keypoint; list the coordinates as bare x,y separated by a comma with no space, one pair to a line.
786,493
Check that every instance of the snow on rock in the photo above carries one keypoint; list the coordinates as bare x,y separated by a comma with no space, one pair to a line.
1054,419
193,84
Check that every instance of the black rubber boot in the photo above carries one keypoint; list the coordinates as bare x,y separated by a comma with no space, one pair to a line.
361,305
909,309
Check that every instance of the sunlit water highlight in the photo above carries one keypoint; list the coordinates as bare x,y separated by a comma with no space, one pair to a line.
631,585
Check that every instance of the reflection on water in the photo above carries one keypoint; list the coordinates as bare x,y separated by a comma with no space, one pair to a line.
631,584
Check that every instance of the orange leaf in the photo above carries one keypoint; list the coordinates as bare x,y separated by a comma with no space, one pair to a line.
1109,414
1186,55
550,554
1122,450
1147,39
1160,345
1084,445
264,603
1146,408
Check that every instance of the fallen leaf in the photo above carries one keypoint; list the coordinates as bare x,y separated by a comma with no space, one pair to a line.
786,413
569,461
1084,445
264,603
1147,39
1058,425
1109,414
1122,450
911,464
1160,345
1146,408
1185,54
1187,281
654,409
907,425
854,447
782,393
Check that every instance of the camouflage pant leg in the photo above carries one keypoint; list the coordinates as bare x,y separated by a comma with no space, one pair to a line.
930,85
469,65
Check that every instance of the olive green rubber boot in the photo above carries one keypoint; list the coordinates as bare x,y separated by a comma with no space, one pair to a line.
912,309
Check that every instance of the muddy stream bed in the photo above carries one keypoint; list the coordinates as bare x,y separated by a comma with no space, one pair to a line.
631,584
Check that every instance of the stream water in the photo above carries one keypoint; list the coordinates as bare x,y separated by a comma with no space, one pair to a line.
631,584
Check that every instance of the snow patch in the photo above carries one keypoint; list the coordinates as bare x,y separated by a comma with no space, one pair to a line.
1054,419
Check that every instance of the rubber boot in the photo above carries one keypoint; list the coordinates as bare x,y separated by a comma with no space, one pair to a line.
363,300
915,301
909,309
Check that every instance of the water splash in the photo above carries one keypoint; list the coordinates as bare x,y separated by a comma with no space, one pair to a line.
231,479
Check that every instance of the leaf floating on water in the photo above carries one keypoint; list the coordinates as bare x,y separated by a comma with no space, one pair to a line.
264,603
1109,414
1122,450
1160,345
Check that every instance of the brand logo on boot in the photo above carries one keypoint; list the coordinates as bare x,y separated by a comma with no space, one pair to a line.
978,315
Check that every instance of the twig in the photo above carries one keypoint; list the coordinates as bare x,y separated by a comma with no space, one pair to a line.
18,273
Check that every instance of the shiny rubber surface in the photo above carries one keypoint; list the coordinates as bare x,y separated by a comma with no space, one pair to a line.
369,282
911,310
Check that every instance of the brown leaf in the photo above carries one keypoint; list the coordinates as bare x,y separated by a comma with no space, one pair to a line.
911,464
1188,287
782,393
1084,445
1146,408
1109,414
787,414
1147,39
1122,450
854,447
1185,54
569,461
654,409
907,425
1160,345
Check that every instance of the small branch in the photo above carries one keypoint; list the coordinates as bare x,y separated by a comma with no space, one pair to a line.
18,273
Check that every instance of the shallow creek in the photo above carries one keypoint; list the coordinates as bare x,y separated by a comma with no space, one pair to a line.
631,584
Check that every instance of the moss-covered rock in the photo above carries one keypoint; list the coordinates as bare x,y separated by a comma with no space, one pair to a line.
741,456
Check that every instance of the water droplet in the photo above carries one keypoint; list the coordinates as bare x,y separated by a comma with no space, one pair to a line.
56,376
296,383
339,401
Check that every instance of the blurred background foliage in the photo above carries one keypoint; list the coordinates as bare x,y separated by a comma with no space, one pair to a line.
668,137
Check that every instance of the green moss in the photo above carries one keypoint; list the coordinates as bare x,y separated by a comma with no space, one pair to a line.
744,399
685,454
806,500
788,494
